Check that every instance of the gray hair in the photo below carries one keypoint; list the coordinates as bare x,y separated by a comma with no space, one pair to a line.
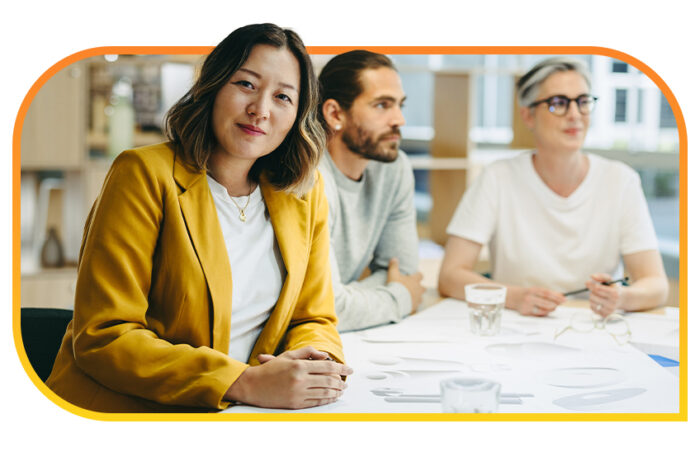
528,86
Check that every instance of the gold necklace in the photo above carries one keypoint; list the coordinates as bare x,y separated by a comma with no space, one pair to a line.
241,210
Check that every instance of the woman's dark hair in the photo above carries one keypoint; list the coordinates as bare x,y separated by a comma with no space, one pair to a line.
188,124
340,78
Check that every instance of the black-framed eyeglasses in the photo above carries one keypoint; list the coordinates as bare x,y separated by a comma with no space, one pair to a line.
559,104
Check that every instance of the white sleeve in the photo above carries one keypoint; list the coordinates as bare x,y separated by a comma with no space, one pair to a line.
636,229
477,212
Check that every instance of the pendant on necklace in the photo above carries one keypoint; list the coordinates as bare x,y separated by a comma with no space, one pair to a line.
242,216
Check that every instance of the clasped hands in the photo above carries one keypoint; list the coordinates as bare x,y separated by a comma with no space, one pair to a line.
295,379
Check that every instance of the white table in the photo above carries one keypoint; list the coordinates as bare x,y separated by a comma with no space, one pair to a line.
576,373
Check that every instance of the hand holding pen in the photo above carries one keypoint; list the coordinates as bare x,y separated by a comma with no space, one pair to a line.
604,298
606,283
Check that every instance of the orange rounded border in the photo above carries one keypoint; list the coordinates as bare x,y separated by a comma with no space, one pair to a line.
682,415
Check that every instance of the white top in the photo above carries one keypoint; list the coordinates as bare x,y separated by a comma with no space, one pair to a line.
257,269
538,238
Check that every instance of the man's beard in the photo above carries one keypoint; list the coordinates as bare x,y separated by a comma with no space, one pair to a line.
361,143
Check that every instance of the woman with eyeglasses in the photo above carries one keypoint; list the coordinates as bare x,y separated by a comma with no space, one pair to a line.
556,218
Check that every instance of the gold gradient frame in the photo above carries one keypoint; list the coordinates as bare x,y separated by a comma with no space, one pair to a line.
682,415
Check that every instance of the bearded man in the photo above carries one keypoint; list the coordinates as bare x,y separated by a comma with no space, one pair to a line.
369,185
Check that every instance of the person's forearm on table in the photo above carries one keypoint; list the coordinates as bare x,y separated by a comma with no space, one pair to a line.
452,281
645,293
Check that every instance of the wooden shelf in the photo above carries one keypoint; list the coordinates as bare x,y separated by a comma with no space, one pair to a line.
49,288
99,141
426,162
141,60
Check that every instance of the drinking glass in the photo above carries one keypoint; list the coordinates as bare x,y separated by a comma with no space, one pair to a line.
485,303
469,395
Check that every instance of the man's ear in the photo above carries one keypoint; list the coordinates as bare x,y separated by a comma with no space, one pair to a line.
526,113
334,114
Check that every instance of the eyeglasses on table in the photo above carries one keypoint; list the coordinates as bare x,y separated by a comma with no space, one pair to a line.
585,322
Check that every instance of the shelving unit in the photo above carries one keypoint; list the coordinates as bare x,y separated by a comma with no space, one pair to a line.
64,161
453,110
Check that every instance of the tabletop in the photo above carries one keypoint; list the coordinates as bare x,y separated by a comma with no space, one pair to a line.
398,367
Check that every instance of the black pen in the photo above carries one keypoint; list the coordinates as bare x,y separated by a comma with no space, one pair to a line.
622,280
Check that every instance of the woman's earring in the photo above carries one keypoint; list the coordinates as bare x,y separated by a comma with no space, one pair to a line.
337,127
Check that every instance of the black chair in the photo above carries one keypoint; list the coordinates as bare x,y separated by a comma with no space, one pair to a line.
42,333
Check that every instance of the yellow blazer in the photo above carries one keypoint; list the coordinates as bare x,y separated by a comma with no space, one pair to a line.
152,315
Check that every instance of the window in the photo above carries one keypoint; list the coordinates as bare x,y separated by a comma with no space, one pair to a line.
619,66
666,117
620,105
640,105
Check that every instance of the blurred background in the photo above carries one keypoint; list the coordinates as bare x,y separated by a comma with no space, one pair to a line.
461,114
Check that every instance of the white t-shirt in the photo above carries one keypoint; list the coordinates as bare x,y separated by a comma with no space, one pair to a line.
538,238
257,269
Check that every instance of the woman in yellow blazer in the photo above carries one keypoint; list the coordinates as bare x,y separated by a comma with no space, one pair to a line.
153,307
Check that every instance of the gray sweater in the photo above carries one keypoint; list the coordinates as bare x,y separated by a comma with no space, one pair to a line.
370,221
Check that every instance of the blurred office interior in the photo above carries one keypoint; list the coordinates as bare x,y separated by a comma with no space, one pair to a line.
460,115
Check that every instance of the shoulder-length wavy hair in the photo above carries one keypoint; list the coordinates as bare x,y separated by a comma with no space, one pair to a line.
188,124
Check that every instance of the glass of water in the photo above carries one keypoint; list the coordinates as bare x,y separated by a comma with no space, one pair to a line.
469,395
485,303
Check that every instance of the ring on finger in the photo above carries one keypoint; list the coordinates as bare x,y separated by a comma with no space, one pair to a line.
598,307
